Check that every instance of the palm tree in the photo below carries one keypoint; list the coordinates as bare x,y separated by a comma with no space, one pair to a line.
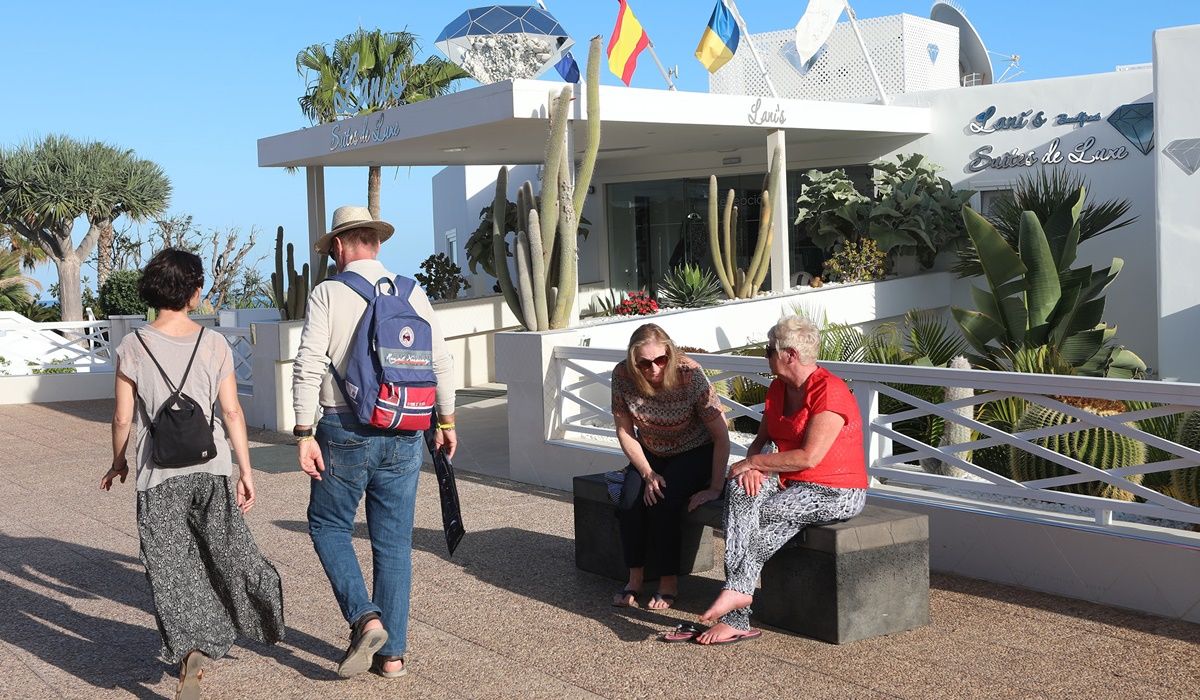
12,242
45,186
370,71
14,286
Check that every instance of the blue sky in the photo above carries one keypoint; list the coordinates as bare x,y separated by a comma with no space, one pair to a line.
192,86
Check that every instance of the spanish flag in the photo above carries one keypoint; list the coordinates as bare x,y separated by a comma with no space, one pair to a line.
627,41
720,40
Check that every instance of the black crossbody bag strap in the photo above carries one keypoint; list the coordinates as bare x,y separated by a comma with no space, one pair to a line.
176,391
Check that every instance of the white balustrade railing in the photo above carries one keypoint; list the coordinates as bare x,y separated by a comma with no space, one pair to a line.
243,352
580,417
31,348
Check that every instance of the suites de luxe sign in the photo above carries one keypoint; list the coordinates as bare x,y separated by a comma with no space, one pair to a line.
372,129
1133,121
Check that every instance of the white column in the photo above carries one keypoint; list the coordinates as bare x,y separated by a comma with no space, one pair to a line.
781,262
1177,209
314,176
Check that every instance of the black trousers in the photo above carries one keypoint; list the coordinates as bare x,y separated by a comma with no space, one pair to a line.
652,535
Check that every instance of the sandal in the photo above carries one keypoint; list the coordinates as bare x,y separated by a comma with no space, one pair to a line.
379,661
191,670
363,645
668,598
685,632
743,637
619,599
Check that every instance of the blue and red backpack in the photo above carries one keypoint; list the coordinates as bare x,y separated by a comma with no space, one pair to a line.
389,380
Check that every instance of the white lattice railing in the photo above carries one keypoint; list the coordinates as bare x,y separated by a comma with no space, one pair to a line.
243,353
66,345
581,417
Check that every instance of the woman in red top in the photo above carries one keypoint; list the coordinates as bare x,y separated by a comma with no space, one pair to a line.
817,475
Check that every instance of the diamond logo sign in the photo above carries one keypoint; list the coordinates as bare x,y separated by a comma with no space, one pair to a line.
933,53
1185,153
1136,124
504,42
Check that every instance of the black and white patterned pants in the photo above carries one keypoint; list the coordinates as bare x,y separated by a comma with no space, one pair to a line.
757,526
208,579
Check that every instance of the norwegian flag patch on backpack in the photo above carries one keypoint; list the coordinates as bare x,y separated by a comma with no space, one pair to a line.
389,380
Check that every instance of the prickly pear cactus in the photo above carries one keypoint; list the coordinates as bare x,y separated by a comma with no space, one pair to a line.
1097,447
1185,483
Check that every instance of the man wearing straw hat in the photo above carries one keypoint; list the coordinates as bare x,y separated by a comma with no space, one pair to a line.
347,460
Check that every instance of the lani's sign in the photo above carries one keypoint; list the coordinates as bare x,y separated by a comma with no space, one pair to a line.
1083,153
757,116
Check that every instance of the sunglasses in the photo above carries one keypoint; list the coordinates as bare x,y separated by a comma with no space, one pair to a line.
645,363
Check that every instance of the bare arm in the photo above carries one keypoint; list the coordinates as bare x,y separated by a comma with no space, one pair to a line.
630,446
720,437
122,421
235,429
822,430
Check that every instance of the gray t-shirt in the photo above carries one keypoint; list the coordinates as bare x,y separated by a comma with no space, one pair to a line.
214,362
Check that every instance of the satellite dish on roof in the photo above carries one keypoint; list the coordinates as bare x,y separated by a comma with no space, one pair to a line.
974,64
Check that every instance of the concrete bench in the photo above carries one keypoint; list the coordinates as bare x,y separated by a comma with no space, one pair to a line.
839,583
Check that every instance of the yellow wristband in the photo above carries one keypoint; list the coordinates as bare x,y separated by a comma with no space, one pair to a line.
445,426
302,439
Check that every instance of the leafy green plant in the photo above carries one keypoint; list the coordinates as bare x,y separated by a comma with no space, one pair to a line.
442,278
605,305
1044,193
856,261
1035,298
689,287
830,209
119,294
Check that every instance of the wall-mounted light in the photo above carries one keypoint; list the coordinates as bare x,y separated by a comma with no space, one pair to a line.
731,160
454,149
591,189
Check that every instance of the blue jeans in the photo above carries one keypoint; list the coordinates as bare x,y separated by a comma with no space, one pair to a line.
385,466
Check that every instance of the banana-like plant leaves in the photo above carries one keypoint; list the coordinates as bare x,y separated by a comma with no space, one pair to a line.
1062,229
1042,290
1077,349
1000,262
978,329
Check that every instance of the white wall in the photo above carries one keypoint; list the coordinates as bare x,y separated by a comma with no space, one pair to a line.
1176,55
1131,305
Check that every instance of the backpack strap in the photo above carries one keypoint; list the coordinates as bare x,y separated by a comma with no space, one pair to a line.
404,287
170,385
357,282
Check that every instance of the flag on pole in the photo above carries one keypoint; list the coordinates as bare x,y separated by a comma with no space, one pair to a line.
568,68
627,41
720,39
814,28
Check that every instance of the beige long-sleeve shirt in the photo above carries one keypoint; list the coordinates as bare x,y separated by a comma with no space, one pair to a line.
334,310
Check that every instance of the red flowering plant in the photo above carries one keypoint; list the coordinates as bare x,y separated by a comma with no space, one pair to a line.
637,304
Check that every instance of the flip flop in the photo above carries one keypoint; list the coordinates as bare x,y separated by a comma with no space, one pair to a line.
190,673
685,632
668,598
746,636
623,595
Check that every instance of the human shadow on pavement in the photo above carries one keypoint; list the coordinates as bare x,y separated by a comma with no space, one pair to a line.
100,650
541,567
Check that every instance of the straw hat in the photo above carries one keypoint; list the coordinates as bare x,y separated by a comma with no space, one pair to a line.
346,218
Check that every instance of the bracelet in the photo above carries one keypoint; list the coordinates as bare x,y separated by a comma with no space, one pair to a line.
445,426
302,438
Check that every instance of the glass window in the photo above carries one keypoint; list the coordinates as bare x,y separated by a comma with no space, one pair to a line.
452,245
989,198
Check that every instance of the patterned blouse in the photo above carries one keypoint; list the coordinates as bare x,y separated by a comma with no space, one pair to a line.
670,422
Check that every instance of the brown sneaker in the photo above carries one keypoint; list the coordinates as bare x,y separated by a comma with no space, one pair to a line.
363,645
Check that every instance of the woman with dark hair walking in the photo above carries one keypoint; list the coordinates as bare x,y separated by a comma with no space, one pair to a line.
207,577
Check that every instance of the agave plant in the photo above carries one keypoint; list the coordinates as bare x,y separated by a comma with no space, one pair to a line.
689,287
1035,298
1043,194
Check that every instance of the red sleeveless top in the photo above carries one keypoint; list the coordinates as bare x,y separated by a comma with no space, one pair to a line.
844,465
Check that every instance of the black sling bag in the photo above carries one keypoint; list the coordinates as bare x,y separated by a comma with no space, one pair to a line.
179,434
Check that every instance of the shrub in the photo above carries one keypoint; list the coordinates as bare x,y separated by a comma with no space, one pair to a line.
860,261
444,278
119,294
689,287
605,305
637,304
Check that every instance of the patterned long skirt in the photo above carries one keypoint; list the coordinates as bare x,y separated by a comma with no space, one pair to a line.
208,579
758,526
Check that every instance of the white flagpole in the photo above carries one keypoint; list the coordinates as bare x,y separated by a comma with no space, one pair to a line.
863,45
737,16
665,75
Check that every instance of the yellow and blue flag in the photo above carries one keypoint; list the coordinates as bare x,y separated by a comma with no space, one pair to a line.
720,39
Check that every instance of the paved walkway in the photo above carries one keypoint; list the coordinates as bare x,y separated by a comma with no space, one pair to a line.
508,617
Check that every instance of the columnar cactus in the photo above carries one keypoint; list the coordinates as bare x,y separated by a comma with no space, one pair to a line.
290,291
954,433
543,295
1185,483
1097,447
740,283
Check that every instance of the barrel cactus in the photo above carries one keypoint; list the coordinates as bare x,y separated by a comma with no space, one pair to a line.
1097,447
1185,483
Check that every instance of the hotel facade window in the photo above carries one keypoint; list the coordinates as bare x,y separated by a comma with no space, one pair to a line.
657,225
452,245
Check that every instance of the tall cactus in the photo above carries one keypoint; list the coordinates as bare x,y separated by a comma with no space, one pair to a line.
1098,447
736,282
954,433
290,290
543,295
1185,483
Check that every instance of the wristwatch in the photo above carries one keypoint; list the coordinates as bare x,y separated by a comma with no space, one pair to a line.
303,432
